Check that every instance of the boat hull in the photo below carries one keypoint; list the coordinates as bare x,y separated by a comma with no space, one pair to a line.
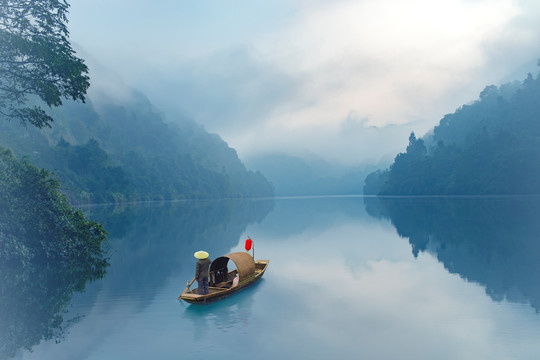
218,293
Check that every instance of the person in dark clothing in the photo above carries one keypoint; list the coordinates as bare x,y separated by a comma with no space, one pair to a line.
202,271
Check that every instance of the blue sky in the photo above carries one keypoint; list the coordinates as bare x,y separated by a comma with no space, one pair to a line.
344,79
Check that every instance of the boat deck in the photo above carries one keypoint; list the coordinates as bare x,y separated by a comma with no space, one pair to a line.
226,287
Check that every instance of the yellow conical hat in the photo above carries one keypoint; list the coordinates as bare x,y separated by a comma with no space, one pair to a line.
201,254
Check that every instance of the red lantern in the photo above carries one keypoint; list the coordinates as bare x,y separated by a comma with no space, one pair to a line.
249,242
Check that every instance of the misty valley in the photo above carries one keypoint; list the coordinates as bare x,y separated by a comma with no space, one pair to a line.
381,240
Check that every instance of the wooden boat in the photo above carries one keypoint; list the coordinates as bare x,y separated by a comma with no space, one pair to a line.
222,281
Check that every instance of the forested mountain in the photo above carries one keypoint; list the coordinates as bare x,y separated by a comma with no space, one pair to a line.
491,146
109,150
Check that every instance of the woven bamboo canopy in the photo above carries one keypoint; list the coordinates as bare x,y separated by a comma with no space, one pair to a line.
245,265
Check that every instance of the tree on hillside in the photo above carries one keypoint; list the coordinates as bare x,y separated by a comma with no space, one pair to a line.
416,147
490,146
406,169
36,60
48,251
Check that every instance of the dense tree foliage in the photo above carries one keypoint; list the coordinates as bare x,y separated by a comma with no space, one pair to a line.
48,251
36,59
491,146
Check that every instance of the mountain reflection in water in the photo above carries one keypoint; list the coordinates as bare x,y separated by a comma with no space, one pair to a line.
145,241
156,240
494,242
342,282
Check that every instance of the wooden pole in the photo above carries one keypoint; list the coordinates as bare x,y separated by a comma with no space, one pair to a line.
189,284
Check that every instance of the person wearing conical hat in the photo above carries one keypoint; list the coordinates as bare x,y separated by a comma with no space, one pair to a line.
202,271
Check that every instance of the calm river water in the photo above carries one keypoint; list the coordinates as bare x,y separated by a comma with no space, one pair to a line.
349,277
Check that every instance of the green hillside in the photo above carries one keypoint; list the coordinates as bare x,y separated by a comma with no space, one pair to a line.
488,147
111,151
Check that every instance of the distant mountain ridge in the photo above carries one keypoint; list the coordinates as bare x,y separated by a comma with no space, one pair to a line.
296,176
491,146
113,151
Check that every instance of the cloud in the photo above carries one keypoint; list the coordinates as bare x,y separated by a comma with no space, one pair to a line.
387,60
229,91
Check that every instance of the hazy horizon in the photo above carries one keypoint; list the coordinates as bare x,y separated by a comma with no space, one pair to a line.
344,80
